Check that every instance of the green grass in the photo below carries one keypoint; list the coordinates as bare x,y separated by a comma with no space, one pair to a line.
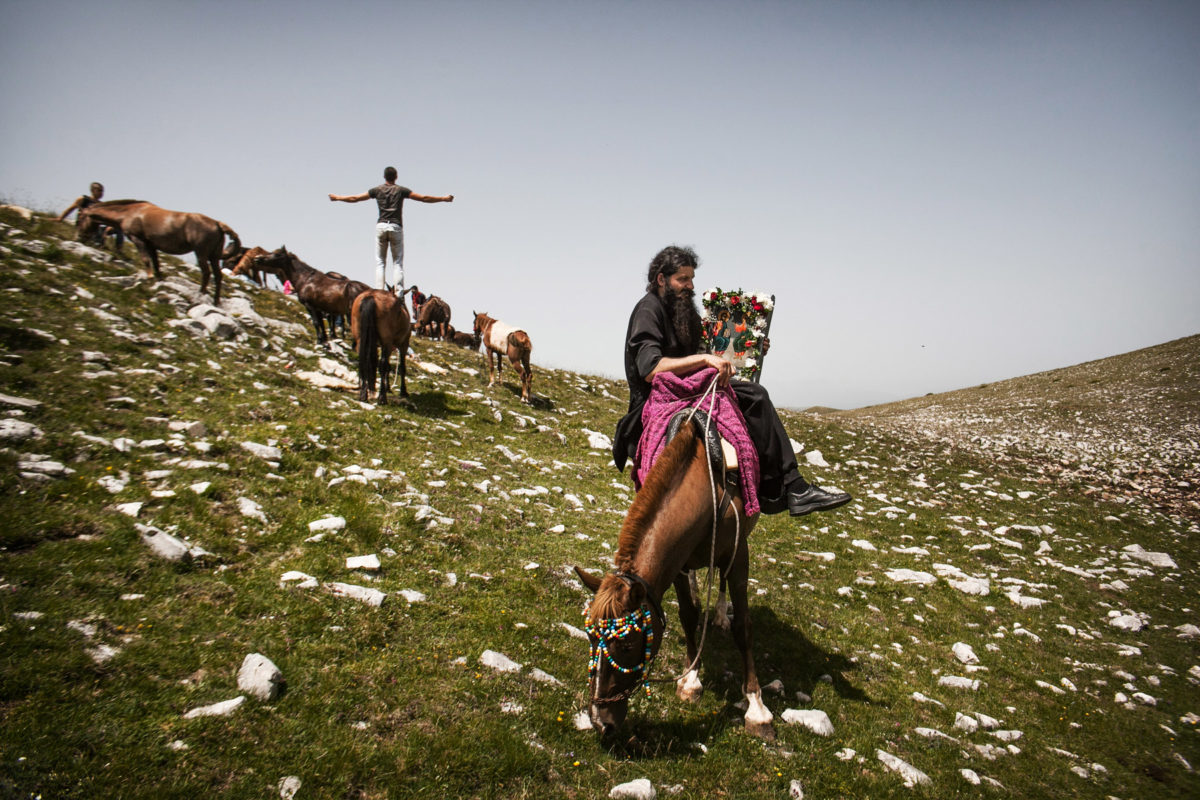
393,702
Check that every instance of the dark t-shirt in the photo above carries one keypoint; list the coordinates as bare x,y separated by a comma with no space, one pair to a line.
649,338
390,198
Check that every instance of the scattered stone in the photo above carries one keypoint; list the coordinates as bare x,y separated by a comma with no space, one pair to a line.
288,787
260,677
365,594
222,709
911,775
370,562
640,789
498,661
327,524
816,721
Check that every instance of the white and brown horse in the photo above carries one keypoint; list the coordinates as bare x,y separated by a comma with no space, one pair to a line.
152,229
669,530
379,324
502,340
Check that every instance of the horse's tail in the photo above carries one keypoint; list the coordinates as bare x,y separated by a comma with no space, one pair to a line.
368,343
232,234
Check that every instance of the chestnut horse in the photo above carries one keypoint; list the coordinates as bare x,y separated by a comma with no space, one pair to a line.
668,530
503,340
434,318
153,229
379,322
319,293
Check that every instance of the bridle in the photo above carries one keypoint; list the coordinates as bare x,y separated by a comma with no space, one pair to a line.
646,620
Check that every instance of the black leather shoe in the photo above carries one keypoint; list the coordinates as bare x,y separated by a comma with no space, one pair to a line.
814,498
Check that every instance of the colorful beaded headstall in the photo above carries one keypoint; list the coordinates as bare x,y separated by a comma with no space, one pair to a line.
639,621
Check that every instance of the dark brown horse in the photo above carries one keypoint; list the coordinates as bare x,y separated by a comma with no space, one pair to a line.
153,229
462,338
501,340
379,324
434,318
235,253
319,293
669,529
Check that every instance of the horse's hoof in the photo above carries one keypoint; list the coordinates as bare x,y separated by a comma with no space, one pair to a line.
689,688
763,730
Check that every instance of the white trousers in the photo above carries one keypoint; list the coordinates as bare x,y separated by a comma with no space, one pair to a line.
389,234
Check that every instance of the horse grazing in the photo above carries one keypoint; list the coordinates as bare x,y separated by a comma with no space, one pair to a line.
668,530
235,254
379,322
504,340
462,338
153,229
319,293
434,318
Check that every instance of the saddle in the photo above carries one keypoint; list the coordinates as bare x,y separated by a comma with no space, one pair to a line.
720,452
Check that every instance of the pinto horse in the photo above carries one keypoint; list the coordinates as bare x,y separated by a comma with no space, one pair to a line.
379,323
503,340
319,293
153,229
668,530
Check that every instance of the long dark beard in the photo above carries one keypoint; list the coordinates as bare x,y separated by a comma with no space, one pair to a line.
685,319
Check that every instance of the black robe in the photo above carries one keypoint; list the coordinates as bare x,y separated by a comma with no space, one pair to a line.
651,337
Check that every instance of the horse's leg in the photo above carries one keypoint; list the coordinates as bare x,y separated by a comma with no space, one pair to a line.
215,262
758,716
688,687
152,253
384,375
318,321
721,612
402,367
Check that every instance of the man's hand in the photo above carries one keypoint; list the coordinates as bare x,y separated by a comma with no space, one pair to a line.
724,368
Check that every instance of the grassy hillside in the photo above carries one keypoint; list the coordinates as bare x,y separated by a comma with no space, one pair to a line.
130,420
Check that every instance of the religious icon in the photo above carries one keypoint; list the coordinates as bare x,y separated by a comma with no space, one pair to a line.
734,326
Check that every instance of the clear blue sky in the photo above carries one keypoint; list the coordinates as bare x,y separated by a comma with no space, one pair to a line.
940,194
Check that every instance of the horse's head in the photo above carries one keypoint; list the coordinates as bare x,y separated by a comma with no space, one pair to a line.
85,225
624,624
481,319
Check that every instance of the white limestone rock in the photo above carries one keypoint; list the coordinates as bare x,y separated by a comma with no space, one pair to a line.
814,720
370,562
14,431
911,775
251,509
911,576
222,709
965,653
260,677
364,594
263,451
327,524
640,789
498,661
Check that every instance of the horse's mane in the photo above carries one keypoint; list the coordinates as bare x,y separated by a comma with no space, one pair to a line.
649,498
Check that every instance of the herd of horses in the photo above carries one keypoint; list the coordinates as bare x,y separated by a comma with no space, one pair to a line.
675,525
378,325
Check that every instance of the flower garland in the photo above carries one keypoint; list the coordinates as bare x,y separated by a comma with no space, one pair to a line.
751,308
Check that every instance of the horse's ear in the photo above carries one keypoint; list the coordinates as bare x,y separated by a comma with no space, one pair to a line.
589,580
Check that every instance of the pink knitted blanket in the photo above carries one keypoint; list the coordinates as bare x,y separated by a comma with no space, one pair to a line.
670,393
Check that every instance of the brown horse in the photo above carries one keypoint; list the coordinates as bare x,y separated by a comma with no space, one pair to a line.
153,229
503,340
669,529
462,338
379,322
235,253
319,293
434,318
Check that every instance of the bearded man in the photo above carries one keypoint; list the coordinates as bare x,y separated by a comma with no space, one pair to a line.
664,336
